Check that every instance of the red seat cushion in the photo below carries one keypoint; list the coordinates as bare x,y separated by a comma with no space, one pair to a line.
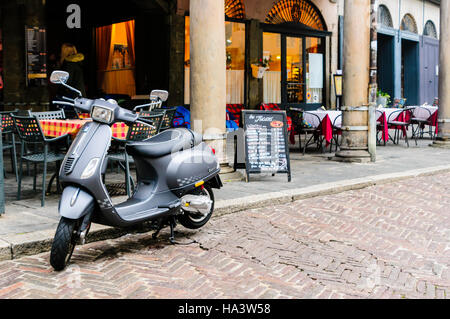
236,110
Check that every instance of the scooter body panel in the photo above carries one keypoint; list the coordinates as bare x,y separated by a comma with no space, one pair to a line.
75,203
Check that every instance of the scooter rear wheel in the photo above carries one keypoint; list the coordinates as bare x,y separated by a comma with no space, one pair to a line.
191,221
63,243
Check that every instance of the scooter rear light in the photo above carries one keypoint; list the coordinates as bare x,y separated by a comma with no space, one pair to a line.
213,150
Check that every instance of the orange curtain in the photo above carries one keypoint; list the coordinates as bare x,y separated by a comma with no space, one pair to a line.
103,45
130,39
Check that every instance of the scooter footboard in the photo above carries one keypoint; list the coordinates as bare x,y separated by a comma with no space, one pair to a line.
75,203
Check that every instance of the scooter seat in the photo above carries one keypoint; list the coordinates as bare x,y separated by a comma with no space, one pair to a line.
167,142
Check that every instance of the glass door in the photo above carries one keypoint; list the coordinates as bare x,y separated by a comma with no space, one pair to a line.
294,75
296,70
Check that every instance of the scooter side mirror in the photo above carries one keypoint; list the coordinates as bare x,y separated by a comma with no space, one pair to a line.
59,77
159,94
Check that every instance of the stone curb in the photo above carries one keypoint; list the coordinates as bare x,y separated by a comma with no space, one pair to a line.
16,246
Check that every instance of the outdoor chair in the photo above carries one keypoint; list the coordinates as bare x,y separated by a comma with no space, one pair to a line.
168,118
50,115
157,117
380,127
9,140
336,132
419,130
400,120
136,132
30,133
315,133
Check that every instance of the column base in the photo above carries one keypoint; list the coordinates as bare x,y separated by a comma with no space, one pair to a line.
441,143
352,156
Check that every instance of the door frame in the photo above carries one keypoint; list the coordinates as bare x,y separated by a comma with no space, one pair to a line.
297,31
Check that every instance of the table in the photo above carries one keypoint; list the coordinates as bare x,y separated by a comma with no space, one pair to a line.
56,128
326,119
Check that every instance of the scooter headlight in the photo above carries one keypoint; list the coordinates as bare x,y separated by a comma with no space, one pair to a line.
102,114
90,168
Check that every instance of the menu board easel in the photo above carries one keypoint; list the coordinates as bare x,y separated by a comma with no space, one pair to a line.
36,56
266,143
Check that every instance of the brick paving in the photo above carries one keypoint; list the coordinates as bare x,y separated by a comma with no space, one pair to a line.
386,241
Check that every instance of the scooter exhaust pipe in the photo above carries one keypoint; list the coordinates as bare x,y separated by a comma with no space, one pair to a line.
198,204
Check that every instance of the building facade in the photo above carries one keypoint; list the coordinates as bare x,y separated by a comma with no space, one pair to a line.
134,48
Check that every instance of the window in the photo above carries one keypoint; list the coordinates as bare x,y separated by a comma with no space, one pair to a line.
235,62
430,29
299,11
272,77
115,58
408,24
384,16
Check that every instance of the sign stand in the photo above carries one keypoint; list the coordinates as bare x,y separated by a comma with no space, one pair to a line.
266,143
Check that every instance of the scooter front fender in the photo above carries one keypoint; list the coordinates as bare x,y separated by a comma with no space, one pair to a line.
75,203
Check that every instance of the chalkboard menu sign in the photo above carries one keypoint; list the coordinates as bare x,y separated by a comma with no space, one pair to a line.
36,56
266,143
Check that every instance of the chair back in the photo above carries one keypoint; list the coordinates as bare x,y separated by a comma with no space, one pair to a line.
155,117
407,115
339,117
168,117
28,128
314,115
140,131
7,122
50,115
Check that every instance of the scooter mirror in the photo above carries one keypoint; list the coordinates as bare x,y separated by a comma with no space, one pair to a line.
59,77
159,94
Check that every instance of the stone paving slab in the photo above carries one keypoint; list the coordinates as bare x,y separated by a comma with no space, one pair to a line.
390,240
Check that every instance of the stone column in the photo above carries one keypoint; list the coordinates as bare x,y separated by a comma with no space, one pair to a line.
443,138
354,145
208,77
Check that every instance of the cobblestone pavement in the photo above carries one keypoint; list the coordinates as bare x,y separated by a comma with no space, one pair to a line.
387,241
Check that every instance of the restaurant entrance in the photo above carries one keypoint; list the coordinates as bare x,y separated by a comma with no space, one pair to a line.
296,69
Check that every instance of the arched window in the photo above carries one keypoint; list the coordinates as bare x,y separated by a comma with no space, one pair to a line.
408,24
300,11
384,16
234,9
430,29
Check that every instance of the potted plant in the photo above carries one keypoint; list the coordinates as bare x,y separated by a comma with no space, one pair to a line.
383,99
260,68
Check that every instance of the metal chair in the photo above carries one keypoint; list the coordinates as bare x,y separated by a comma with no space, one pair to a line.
380,127
157,117
136,132
400,124
9,140
168,117
315,134
30,132
336,132
50,115
420,122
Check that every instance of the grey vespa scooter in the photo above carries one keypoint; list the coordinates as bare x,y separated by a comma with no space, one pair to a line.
176,172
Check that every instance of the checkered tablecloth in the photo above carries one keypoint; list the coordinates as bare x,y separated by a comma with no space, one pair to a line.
56,128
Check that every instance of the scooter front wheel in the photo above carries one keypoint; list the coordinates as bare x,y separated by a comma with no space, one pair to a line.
63,243
191,221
